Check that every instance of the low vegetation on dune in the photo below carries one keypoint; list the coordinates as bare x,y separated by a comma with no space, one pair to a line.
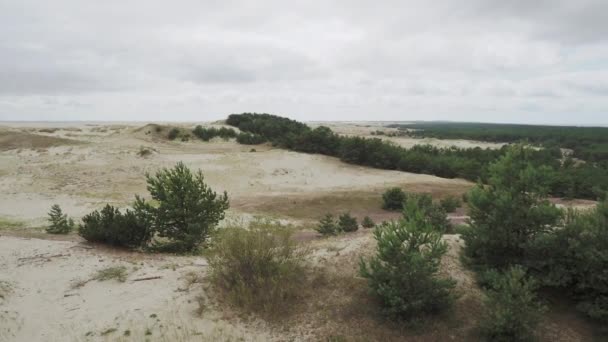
259,268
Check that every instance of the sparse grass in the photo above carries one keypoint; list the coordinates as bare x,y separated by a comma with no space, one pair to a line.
5,289
118,273
9,223
192,278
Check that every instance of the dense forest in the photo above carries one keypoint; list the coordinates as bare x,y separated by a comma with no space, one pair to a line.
587,143
568,178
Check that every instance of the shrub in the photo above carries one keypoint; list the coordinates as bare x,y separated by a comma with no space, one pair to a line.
347,223
327,225
173,133
403,273
432,212
115,228
186,210
575,257
512,311
250,139
510,212
59,222
261,268
393,199
145,151
450,204
367,222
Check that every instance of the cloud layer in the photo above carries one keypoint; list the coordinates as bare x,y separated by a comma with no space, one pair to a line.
480,60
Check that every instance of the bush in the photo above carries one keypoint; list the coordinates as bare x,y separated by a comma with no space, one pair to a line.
173,133
59,222
347,223
575,257
115,228
327,225
250,139
186,210
367,222
261,269
393,199
450,204
207,134
433,213
403,273
512,311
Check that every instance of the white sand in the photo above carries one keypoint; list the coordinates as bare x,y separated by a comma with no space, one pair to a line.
42,304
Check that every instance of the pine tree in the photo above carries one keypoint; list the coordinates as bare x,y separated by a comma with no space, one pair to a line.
327,225
508,213
403,273
59,222
187,210
367,222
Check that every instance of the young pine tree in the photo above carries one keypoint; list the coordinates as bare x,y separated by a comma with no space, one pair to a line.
187,210
367,222
347,223
327,225
403,273
59,222
509,212
512,310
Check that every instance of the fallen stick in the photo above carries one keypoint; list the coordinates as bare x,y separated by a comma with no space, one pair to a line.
147,278
42,256
79,246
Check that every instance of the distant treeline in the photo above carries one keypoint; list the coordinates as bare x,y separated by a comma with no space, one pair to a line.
588,143
585,180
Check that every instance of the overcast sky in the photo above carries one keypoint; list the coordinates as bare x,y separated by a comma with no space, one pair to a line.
530,61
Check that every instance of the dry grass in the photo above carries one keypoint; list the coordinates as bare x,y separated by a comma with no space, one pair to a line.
359,203
15,140
118,273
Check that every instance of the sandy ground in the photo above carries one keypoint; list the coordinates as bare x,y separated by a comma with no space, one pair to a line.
42,303
104,168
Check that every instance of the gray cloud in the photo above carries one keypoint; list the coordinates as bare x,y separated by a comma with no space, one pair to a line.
490,60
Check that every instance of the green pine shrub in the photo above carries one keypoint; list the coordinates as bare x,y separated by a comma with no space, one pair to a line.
404,272
450,203
327,225
392,199
113,227
60,223
347,223
367,222
186,211
574,257
512,310
510,212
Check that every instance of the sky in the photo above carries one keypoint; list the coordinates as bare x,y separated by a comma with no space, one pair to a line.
521,61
